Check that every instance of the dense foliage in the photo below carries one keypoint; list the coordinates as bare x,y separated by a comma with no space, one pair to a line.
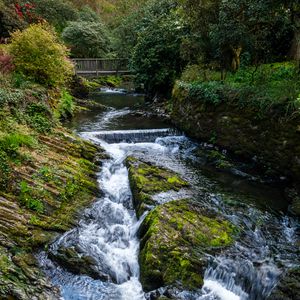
161,38
38,54
156,55
86,39
56,12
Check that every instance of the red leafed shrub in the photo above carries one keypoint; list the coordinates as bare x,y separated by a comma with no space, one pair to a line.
26,11
6,63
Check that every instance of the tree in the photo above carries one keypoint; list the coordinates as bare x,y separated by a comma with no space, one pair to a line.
57,12
226,29
86,39
38,54
156,57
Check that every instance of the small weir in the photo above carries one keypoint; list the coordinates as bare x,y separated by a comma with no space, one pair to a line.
106,239
135,136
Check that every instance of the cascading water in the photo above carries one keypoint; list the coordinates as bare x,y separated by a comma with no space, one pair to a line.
107,232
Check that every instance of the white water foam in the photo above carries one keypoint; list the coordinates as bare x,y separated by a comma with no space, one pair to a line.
111,237
215,289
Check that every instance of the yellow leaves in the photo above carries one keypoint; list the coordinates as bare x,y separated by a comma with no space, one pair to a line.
37,53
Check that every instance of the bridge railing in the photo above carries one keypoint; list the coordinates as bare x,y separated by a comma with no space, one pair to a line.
101,65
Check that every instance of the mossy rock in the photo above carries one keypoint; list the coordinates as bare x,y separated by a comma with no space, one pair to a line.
288,287
20,277
147,180
175,238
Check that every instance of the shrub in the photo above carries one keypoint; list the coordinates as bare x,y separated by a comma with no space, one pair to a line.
56,12
6,64
8,96
156,56
66,106
39,117
38,54
9,19
199,73
20,81
206,92
10,143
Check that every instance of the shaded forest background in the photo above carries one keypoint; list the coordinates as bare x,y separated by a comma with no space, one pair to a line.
197,41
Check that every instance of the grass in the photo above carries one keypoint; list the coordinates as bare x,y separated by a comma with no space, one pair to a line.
10,143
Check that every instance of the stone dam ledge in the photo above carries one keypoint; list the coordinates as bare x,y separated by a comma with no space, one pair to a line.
177,236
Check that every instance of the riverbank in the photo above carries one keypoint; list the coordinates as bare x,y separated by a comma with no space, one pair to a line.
48,186
47,176
264,132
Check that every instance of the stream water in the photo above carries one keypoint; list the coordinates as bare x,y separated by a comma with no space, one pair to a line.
107,231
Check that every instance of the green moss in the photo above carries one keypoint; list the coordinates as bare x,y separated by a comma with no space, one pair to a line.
147,180
175,237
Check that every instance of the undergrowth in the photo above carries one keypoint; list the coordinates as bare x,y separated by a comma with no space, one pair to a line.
267,89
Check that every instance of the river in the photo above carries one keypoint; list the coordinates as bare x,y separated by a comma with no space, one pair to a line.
107,231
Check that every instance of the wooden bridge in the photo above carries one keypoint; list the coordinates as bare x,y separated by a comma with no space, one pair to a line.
94,67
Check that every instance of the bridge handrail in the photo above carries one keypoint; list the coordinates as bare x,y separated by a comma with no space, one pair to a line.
75,59
101,65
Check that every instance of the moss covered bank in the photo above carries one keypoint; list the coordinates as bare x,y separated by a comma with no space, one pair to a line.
270,138
42,200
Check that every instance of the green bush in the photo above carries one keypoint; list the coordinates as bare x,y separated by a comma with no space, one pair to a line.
56,12
269,89
198,73
8,96
66,106
20,81
9,20
206,92
156,57
39,117
38,54
86,39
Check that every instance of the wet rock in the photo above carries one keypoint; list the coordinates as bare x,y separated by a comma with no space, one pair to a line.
175,240
20,278
77,263
147,180
294,198
165,293
60,177
288,287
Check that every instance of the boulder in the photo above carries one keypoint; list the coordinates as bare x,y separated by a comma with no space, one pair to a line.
78,263
147,180
175,240
288,287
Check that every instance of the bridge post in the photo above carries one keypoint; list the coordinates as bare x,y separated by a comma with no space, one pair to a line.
97,67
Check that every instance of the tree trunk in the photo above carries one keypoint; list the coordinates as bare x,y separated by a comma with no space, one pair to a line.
236,58
295,49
